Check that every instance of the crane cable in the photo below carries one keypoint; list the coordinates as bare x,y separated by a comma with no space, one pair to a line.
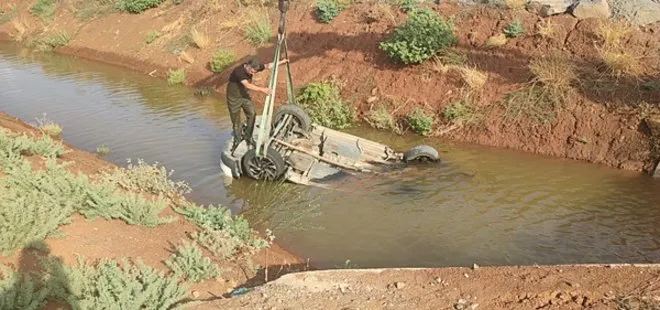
266,118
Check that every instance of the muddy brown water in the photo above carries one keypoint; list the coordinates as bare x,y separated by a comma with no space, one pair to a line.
482,205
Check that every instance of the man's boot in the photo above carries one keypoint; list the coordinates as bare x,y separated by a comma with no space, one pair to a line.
249,139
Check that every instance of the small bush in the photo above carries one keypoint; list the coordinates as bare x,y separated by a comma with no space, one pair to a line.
144,178
44,9
534,102
514,29
176,76
420,122
102,150
381,119
258,30
496,40
110,285
137,6
422,36
188,262
461,112
556,72
474,78
20,291
221,60
324,104
49,127
152,36
327,10
408,5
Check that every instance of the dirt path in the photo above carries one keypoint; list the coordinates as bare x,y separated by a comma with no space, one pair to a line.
555,287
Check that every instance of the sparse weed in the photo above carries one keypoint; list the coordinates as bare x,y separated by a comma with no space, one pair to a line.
496,40
17,145
462,112
533,102
546,29
152,36
204,91
137,6
652,85
111,285
474,78
6,16
176,76
324,104
44,9
452,57
186,57
144,178
555,72
179,44
54,40
188,262
514,29
424,35
620,62
87,10
420,122
102,150
613,33
221,60
258,30
49,127
201,40
380,118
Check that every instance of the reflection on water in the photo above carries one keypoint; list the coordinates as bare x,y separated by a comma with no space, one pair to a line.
481,205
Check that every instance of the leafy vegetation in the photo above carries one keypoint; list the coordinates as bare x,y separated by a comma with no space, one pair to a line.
514,29
422,36
327,10
176,76
137,6
221,60
257,29
380,118
462,112
188,262
324,104
111,285
102,150
49,127
44,9
420,122
144,178
20,291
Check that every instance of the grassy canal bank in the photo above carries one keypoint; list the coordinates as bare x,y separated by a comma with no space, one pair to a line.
81,233
502,76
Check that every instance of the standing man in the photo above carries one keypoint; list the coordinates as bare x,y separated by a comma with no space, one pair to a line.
238,98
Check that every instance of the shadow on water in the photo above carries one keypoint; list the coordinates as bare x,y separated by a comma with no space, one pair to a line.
483,205
41,282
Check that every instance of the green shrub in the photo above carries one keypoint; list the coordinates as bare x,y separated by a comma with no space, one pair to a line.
221,60
188,262
109,285
44,9
176,76
514,29
408,5
324,104
327,10
382,119
20,291
422,36
420,122
137,6
220,232
89,9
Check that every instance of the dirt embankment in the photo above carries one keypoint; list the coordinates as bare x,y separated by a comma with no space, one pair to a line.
600,121
115,239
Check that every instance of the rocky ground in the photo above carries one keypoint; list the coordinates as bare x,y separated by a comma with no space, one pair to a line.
543,287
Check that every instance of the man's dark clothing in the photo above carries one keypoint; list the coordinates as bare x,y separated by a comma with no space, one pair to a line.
238,98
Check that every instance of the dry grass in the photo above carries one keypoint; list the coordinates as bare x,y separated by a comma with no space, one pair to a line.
200,39
22,30
382,11
496,40
49,127
612,33
620,63
438,66
546,29
474,78
556,72
186,57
